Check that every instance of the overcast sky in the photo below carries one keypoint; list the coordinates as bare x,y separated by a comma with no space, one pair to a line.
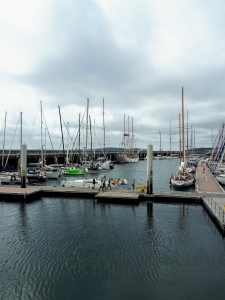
137,55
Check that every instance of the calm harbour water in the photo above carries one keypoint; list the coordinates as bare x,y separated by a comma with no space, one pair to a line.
58,248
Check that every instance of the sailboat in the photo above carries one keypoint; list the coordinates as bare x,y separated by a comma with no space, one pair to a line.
159,155
104,163
128,155
76,169
182,178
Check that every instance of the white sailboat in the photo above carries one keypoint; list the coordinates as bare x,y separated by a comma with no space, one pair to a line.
80,183
182,178
128,155
221,178
104,163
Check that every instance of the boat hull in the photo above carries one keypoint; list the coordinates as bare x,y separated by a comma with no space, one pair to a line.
182,183
80,183
221,179
78,171
53,175
127,159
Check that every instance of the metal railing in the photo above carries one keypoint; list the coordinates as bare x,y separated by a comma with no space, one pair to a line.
215,208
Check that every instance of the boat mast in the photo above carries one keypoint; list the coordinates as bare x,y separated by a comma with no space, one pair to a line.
194,140
104,130
183,151
160,143
79,137
94,140
179,138
62,136
21,129
4,140
21,133
128,127
170,137
90,135
124,139
67,145
42,156
86,132
132,136
187,138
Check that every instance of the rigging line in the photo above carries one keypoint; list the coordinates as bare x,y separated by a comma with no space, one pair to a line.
77,133
29,135
99,143
12,143
2,129
49,134
71,138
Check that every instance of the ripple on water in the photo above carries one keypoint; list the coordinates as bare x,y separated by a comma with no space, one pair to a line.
56,248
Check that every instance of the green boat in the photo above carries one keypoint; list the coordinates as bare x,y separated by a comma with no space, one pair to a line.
78,171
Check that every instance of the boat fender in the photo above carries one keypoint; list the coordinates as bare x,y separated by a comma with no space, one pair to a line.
13,178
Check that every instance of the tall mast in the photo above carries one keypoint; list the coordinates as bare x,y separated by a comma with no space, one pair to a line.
104,130
67,145
179,138
45,145
128,126
170,137
62,135
42,156
124,139
132,136
194,140
160,142
90,135
79,136
183,151
21,141
21,133
4,140
187,137
86,132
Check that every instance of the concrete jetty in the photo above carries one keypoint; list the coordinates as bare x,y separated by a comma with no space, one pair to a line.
212,195
15,193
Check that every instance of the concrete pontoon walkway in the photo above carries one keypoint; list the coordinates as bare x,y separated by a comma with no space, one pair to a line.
206,182
212,194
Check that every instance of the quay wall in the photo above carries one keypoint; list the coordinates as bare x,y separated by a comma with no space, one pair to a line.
53,157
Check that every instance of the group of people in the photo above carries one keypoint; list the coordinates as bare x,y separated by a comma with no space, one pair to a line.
103,185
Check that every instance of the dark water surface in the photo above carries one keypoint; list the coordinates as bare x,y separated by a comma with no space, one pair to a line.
58,248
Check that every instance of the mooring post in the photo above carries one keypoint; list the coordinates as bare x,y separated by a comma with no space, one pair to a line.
149,169
23,165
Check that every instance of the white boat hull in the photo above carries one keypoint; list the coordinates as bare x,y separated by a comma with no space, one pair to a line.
88,183
127,159
221,179
182,182
53,175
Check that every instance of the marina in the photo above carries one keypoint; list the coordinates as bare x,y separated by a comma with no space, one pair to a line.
112,236
208,192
